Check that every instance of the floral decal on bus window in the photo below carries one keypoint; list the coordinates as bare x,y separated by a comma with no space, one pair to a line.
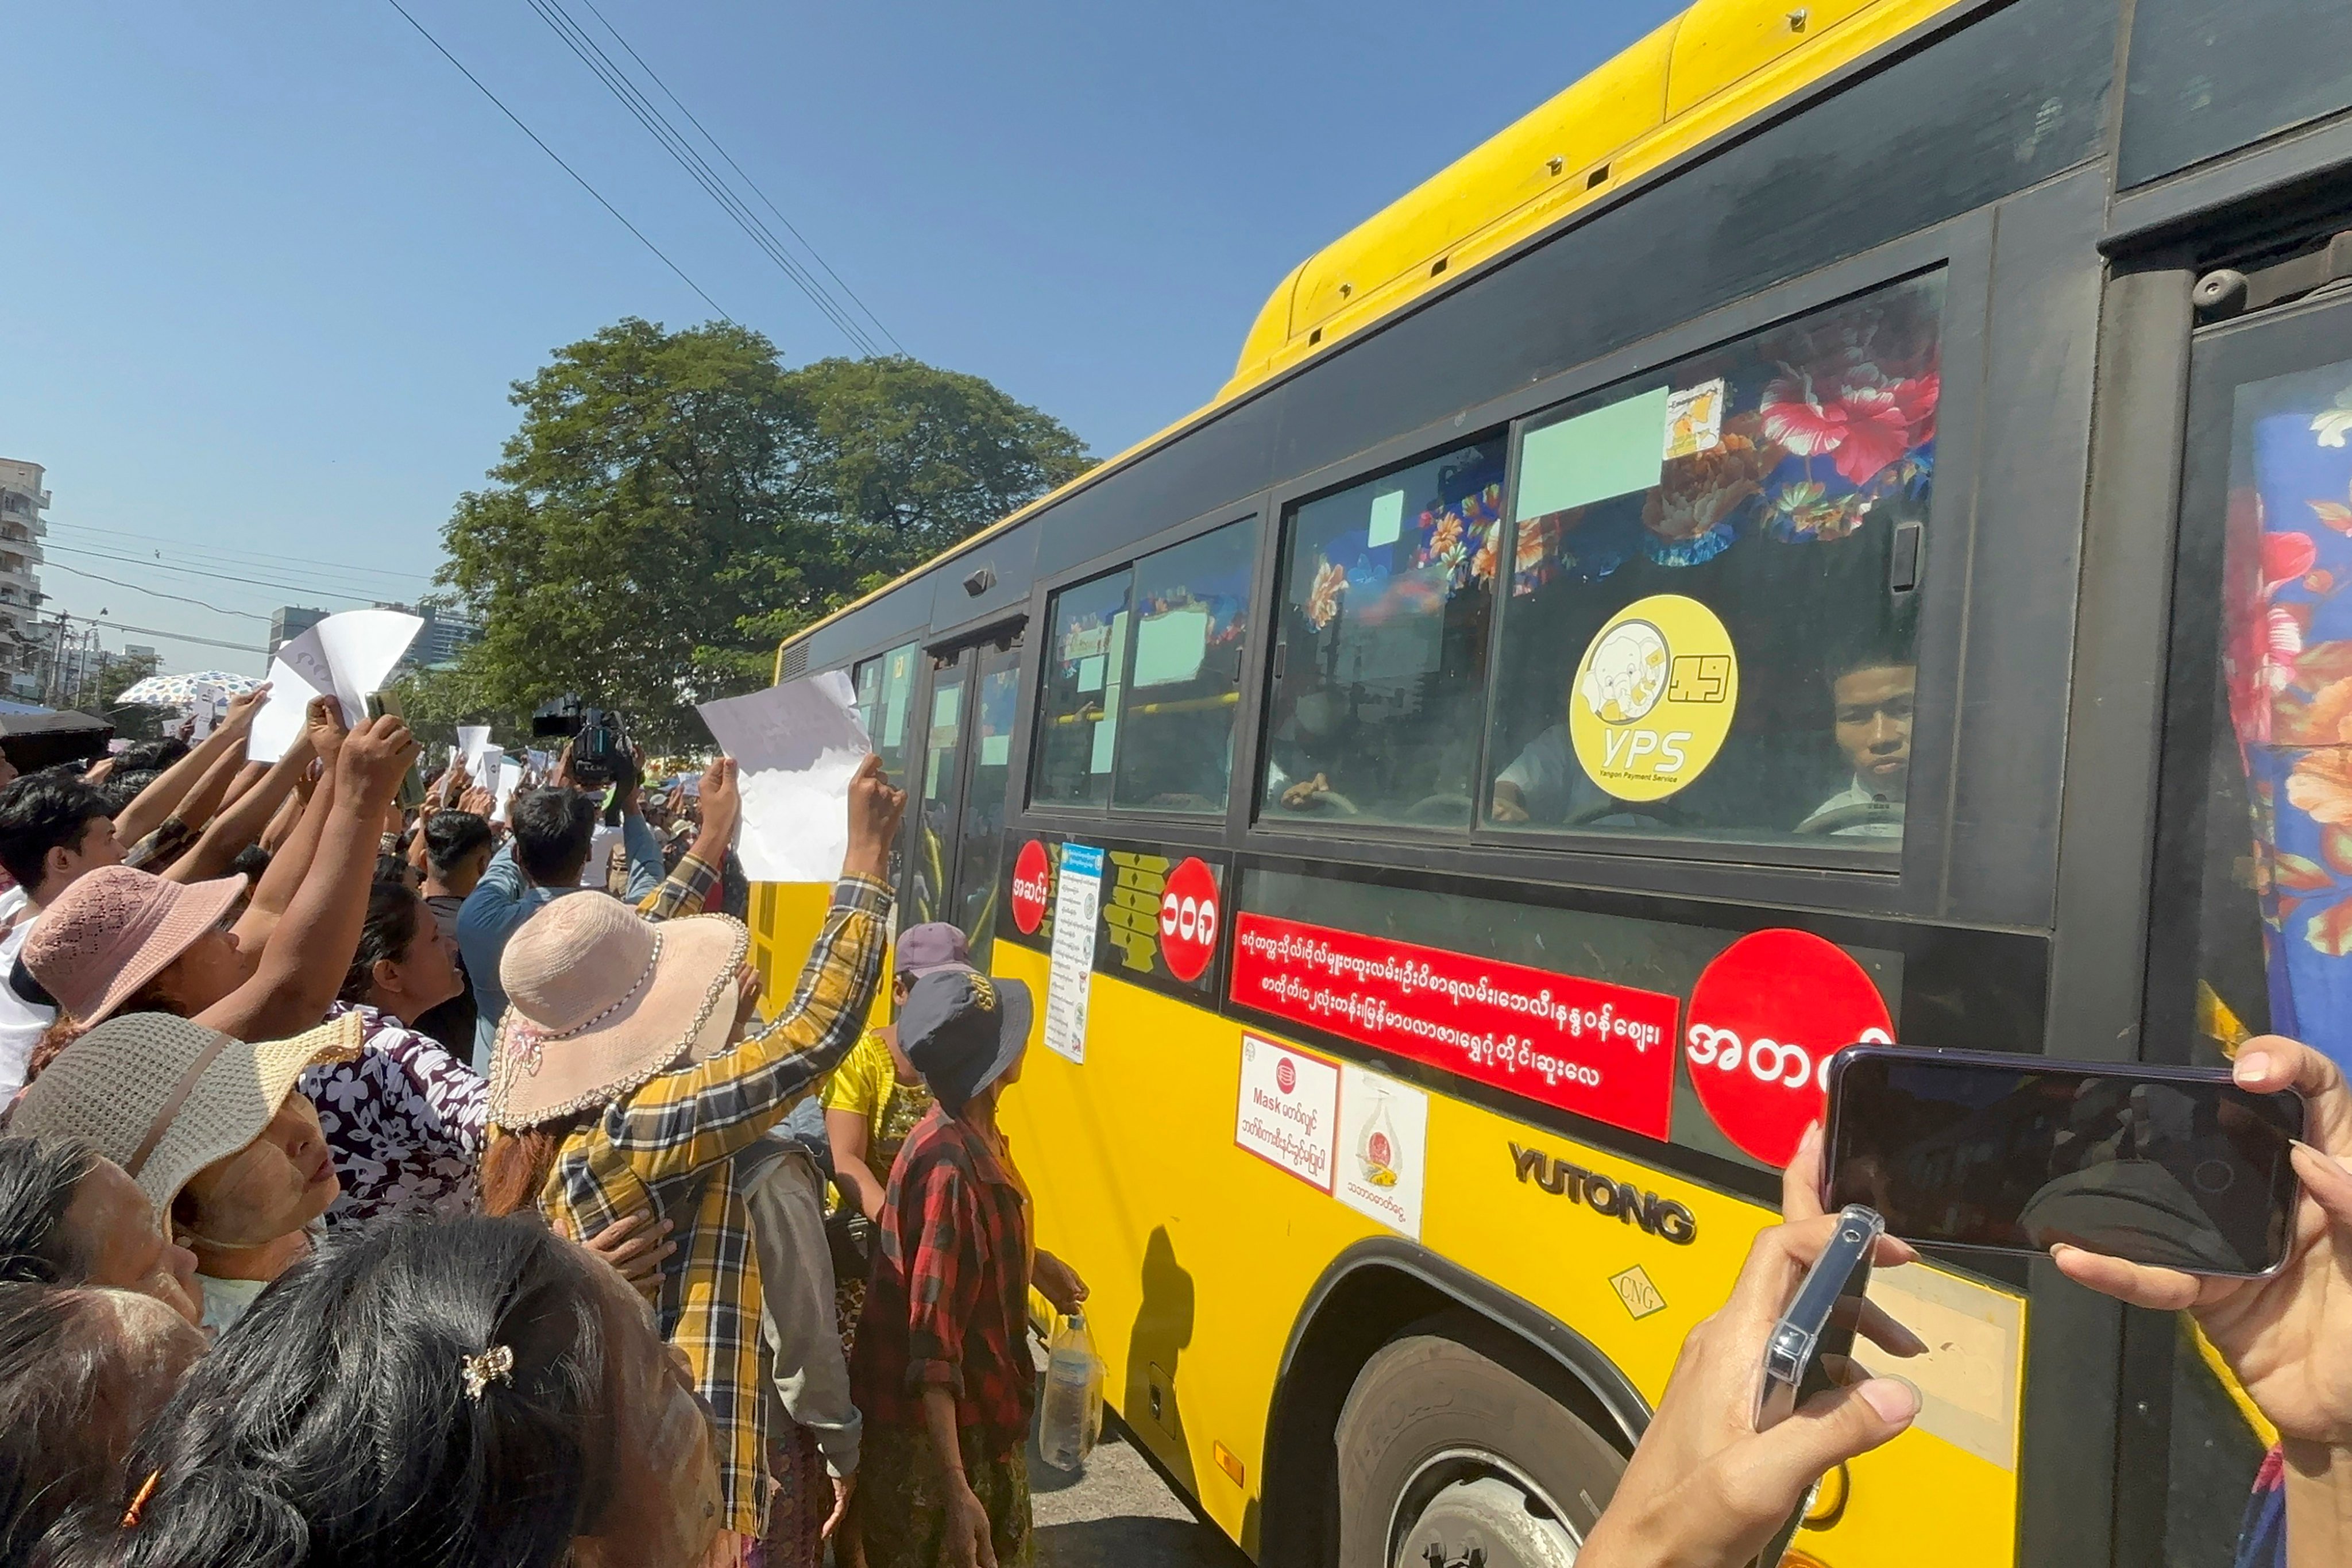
1829,420
2287,677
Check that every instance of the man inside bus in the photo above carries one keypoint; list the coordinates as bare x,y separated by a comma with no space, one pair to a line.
1872,693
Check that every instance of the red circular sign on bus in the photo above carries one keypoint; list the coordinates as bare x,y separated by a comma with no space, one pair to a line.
1188,920
1765,1018
1030,879
1286,1076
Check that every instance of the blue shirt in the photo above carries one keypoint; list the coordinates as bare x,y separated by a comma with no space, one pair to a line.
504,898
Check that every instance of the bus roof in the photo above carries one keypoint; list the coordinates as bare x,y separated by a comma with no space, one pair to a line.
1706,71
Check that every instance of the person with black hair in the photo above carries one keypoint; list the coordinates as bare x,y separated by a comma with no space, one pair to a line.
1873,693
457,850
70,1217
54,829
458,1391
150,756
404,1118
81,1370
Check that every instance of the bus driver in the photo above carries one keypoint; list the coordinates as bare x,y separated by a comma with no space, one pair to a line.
1872,694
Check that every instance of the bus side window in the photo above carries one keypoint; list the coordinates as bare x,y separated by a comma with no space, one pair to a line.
1183,677
885,685
1085,667
1387,587
1707,637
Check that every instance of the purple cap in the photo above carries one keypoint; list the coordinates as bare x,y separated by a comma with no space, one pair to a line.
934,945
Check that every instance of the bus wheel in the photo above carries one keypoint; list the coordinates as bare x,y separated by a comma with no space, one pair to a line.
1449,1459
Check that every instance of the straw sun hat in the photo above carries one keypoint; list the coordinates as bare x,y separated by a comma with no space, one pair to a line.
598,1000
163,1098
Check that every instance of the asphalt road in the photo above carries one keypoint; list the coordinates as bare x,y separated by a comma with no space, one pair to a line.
1116,1512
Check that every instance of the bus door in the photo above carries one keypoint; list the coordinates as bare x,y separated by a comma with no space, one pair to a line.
2251,929
957,796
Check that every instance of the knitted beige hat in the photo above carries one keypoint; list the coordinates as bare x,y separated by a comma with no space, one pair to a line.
600,1000
163,1098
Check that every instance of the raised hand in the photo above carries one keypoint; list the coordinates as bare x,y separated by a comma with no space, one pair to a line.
373,759
875,809
246,707
323,727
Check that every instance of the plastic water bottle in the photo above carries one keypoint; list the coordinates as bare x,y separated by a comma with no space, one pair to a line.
1067,1425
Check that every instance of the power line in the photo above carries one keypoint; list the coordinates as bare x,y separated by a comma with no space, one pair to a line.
257,554
227,571
559,164
217,576
158,632
617,81
154,593
655,77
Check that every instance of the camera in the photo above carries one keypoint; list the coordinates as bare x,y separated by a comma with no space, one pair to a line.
600,746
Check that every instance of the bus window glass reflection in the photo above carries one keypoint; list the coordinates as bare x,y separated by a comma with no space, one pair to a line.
1752,492
1387,588
1077,719
1184,678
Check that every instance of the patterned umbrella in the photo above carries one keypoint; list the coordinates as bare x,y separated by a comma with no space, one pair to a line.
179,691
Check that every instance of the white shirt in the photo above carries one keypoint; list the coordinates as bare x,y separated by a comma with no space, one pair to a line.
21,1025
1859,794
1545,774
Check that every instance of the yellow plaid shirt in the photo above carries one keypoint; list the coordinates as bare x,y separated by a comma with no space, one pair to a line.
669,1147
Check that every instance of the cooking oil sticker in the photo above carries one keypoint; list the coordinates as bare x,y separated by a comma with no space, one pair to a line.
1383,1148
1654,696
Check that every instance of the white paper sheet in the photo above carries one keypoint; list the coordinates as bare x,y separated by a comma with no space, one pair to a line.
346,655
473,740
509,779
796,747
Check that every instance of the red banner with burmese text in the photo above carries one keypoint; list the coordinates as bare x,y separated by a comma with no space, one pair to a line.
1584,1046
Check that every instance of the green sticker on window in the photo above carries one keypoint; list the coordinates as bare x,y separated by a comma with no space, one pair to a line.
1612,451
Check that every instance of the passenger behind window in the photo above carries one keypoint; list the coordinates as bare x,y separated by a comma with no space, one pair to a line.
1872,692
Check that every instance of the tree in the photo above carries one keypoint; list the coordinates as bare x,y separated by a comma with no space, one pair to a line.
100,690
675,503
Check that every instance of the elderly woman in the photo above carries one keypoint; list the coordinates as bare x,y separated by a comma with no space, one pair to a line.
70,1217
621,1080
212,1131
424,1390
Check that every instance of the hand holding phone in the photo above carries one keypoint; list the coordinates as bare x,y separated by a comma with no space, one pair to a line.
2287,1337
1704,1484
2169,1166
1812,1347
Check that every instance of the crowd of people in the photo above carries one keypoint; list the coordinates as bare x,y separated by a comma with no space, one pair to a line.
389,1186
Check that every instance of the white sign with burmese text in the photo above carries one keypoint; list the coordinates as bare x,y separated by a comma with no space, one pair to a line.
1289,1112
1069,981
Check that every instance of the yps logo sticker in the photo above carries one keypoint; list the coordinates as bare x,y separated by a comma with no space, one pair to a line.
1654,696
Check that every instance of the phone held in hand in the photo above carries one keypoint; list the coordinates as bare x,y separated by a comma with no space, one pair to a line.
2175,1167
1816,1329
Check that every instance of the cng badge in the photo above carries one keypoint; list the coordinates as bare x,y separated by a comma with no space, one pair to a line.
1654,696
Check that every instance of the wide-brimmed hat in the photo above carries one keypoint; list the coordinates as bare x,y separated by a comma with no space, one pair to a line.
115,930
163,1098
599,1000
934,945
963,1031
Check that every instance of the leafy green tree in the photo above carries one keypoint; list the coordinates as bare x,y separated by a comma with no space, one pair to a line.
675,503
100,693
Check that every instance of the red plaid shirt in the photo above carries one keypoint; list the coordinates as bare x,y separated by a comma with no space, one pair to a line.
947,1306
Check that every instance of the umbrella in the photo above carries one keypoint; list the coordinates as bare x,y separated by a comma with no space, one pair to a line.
179,691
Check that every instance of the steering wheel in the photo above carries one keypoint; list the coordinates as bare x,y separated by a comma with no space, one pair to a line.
1442,809
1666,815
1862,812
1327,801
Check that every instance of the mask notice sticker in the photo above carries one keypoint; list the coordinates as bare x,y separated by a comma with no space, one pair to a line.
1654,696
1289,1110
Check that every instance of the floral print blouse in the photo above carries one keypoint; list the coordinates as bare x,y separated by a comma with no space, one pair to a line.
405,1120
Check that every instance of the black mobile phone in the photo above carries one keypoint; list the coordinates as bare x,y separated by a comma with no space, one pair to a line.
2176,1167
1817,1327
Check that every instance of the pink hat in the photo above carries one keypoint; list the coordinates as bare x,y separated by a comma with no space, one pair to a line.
598,1000
115,930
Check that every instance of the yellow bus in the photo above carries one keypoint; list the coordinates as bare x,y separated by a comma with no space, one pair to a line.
1826,530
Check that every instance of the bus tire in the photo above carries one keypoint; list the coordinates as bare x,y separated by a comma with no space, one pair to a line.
1440,1445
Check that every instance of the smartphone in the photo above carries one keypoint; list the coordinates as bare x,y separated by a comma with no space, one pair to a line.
1817,1327
2177,1167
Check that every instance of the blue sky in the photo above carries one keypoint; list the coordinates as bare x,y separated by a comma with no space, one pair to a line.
270,267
